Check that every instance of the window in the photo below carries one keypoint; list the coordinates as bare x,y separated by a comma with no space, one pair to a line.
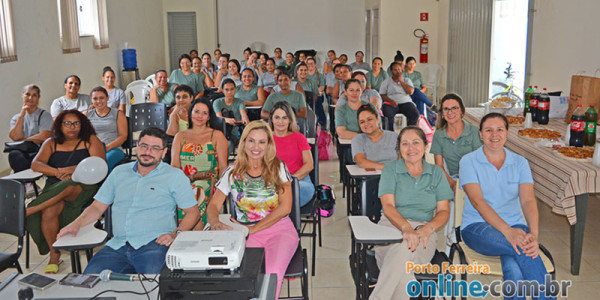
85,17
82,18
8,51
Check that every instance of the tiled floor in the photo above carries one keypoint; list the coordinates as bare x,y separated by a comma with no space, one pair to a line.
333,279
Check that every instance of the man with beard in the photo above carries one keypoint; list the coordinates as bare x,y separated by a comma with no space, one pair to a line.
144,196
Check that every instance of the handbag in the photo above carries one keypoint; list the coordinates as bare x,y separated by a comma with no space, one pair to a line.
23,146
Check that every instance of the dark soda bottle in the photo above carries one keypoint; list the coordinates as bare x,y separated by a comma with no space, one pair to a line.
591,118
533,103
577,127
543,108
527,97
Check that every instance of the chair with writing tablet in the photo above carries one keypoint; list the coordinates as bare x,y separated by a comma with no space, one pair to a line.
363,264
471,257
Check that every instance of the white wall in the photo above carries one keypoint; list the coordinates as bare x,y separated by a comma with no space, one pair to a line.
205,23
398,21
293,25
41,61
565,42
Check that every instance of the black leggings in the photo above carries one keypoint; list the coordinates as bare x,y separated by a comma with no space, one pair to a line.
408,109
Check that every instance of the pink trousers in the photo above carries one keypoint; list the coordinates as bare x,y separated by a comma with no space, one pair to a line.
280,242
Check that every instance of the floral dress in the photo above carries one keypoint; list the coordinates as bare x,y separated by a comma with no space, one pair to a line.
199,158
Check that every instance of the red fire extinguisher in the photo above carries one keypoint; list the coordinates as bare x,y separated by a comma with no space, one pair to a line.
423,45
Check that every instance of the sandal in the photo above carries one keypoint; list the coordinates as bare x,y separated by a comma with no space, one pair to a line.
52,268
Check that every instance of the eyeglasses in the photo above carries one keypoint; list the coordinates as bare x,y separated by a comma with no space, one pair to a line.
451,109
153,149
72,124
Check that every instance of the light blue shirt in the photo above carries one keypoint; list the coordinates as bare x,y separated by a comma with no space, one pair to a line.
500,187
143,208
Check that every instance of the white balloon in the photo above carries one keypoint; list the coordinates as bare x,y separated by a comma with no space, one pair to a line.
91,170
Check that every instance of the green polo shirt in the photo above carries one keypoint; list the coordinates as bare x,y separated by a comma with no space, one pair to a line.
347,117
295,99
416,198
236,107
249,95
318,79
452,151
309,86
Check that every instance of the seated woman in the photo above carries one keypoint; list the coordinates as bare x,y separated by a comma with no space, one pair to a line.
367,95
72,99
110,125
31,124
302,79
414,195
222,71
418,97
116,95
260,185
395,92
178,119
453,138
266,80
62,199
294,86
292,148
328,64
162,92
197,68
294,98
230,108
233,69
201,152
209,70
377,75
373,147
346,121
500,217
186,76
262,63
252,95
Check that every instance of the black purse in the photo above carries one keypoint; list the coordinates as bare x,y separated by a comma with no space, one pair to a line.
23,146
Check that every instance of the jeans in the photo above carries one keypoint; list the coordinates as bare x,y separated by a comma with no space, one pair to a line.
320,112
307,190
148,259
20,160
420,100
113,157
487,240
408,109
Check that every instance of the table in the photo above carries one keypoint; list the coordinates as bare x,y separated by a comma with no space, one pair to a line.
563,184
364,233
62,291
267,291
86,239
361,175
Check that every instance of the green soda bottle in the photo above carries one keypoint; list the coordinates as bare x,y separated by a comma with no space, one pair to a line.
527,97
591,118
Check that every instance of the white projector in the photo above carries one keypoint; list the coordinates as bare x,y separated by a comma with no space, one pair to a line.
206,250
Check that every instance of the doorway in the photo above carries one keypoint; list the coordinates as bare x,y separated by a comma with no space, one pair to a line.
508,63
182,35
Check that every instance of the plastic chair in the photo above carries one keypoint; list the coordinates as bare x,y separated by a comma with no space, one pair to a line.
144,115
137,92
470,256
12,220
152,79
310,99
433,73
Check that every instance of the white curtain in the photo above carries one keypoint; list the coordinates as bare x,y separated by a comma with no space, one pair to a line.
101,32
8,49
69,30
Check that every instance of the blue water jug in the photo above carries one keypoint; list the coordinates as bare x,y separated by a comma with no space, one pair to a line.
129,59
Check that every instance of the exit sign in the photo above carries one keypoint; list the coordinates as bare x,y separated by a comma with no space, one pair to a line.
424,17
